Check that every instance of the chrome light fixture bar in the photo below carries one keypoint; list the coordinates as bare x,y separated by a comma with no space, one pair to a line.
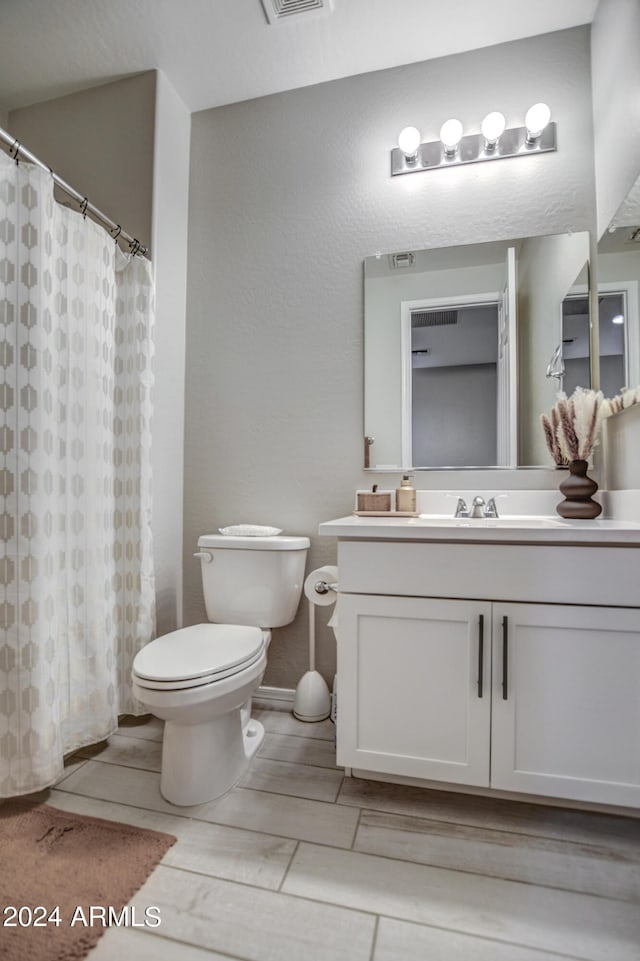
538,135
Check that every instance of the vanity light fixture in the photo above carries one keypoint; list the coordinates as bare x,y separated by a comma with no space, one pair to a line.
495,142
408,142
535,121
450,135
492,129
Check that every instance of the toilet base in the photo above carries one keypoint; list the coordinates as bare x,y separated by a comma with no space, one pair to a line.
201,762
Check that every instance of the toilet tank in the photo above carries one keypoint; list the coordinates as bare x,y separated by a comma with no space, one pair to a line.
252,580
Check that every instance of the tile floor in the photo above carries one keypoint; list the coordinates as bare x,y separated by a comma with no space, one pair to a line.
298,863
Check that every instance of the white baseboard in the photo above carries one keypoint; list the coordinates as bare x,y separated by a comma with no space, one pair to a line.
274,698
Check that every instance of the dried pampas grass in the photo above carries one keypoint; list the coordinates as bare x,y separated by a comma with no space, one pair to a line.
571,432
627,397
550,428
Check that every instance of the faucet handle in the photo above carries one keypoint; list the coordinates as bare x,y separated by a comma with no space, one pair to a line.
491,510
461,509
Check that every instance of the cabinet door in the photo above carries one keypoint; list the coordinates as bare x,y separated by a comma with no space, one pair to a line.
566,702
414,687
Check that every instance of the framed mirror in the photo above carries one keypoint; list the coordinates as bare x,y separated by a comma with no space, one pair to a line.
459,342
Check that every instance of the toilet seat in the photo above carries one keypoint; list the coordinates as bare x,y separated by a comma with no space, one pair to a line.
197,655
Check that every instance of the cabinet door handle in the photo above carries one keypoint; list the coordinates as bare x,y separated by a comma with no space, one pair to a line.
505,657
480,655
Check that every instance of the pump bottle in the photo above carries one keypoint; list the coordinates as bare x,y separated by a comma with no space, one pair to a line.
406,495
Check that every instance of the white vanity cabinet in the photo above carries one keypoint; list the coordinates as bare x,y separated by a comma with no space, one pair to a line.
505,692
566,702
415,687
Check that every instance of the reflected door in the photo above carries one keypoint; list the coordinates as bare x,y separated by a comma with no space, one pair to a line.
613,328
453,390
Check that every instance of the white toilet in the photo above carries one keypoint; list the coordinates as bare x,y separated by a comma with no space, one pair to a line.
200,679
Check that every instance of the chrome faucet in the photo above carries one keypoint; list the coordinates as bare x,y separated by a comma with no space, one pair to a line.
478,508
491,510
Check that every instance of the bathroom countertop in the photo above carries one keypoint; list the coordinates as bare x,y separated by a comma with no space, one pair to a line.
512,529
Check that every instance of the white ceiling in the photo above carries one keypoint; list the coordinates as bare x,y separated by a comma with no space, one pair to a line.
222,51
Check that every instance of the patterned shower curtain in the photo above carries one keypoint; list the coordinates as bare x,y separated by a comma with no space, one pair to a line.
76,568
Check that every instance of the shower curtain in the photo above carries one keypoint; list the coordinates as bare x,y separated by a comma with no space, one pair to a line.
76,568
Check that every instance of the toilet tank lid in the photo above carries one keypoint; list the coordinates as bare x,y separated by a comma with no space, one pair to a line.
276,542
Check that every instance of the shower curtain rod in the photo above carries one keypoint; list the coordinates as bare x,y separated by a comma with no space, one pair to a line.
16,150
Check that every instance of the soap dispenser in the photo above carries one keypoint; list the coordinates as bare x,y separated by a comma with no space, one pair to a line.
406,495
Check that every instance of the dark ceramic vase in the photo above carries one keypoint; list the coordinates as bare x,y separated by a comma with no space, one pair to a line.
578,490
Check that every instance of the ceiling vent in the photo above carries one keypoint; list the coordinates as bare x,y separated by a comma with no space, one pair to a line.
433,318
279,11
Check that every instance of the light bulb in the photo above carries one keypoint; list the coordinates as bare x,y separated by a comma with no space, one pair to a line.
536,120
618,319
492,128
409,141
451,135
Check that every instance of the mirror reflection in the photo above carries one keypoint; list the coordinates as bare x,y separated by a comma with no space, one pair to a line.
612,312
458,343
618,276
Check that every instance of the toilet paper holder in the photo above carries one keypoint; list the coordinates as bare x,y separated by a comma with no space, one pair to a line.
323,587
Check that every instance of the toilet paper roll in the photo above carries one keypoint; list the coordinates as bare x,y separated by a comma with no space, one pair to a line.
327,574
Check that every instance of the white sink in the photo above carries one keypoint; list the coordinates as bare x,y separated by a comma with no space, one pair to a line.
521,521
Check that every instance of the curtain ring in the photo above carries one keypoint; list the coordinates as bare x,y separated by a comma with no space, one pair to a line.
134,247
118,231
83,207
14,150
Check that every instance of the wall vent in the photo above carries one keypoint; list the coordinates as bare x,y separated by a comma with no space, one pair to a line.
433,318
401,260
278,11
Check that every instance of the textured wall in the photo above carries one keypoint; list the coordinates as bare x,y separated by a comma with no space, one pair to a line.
616,103
101,142
170,226
288,194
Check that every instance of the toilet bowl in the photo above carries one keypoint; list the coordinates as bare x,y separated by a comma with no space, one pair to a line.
200,679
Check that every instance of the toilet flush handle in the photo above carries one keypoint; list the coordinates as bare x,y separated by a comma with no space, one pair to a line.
204,556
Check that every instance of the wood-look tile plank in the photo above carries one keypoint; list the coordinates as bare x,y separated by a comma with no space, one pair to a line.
289,817
500,854
148,727
283,722
129,943
404,941
299,750
297,818
71,763
252,923
130,751
519,817
296,780
212,849
561,922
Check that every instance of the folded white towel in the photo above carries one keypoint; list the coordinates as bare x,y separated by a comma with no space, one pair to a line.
249,530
